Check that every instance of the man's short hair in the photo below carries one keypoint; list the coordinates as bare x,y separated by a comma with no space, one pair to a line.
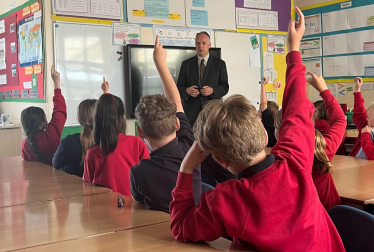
156,116
203,32
231,130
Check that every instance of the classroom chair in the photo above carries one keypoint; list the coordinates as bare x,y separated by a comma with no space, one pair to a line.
356,227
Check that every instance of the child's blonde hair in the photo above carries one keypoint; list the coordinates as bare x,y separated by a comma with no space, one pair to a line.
321,162
230,130
321,110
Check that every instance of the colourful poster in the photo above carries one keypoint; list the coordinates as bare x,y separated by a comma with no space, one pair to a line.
276,44
126,33
30,41
199,17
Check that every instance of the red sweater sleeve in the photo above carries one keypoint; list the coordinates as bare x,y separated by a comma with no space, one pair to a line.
335,133
296,135
367,145
359,112
211,218
56,125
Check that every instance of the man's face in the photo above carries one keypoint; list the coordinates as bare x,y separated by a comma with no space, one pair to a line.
203,44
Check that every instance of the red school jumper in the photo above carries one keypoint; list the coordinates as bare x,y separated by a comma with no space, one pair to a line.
48,140
324,183
360,120
276,209
113,170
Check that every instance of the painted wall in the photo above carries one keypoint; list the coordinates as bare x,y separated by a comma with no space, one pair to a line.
303,3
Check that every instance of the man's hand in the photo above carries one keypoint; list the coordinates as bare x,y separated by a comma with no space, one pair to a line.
295,32
206,91
105,86
55,77
192,91
318,82
358,84
366,129
193,157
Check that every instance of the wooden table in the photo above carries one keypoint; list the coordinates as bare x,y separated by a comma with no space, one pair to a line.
11,139
47,222
355,184
150,238
45,189
340,162
13,169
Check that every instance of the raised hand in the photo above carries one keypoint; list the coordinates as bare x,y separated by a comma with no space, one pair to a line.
55,77
318,82
159,53
358,84
295,32
105,86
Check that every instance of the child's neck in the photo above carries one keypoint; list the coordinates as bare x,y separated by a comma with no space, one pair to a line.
159,143
237,168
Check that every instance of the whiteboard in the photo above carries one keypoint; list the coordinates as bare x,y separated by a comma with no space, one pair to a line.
83,55
136,13
235,52
220,14
101,9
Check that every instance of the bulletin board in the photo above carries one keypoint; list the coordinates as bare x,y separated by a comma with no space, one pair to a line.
268,9
347,39
22,56
88,11
213,14
159,12
278,74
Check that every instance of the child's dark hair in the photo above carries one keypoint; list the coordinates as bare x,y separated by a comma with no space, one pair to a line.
321,110
109,122
273,108
85,114
31,119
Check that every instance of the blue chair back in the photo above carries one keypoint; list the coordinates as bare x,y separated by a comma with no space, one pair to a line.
355,227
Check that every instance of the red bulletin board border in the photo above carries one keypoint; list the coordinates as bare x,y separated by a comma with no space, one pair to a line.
26,10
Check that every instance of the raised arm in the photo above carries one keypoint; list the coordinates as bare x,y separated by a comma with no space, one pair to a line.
334,135
168,84
263,99
296,136
55,126
359,111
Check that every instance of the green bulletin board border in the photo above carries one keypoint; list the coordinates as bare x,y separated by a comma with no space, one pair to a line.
38,100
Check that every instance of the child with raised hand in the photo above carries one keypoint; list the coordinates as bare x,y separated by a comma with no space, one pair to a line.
321,117
326,145
166,129
108,163
268,110
71,152
43,138
364,121
273,206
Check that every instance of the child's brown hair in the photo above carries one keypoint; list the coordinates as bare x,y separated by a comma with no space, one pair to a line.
273,108
321,111
321,163
86,110
156,116
230,130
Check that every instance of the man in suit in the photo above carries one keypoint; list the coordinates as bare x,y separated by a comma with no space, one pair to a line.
201,78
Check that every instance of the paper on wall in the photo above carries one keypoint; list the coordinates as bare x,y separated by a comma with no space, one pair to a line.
341,89
311,47
335,21
255,52
71,6
333,89
312,24
268,19
272,96
313,65
360,16
3,79
27,84
335,44
271,74
369,71
247,18
126,33
108,7
2,54
268,61
2,26
276,43
175,36
335,66
258,4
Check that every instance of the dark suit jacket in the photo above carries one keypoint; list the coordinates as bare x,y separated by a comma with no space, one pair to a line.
215,76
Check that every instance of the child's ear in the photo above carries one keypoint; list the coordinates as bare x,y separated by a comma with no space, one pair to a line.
222,163
140,132
177,124
267,137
